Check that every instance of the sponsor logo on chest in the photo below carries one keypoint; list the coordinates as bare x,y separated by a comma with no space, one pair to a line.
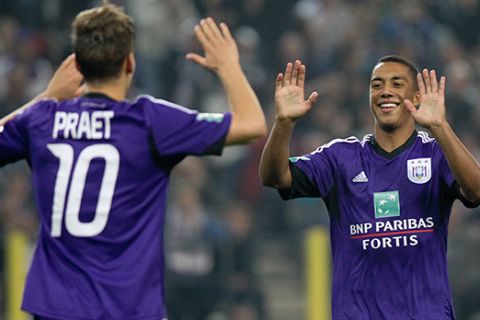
389,229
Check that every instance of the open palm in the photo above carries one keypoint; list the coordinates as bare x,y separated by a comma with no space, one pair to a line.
290,100
431,111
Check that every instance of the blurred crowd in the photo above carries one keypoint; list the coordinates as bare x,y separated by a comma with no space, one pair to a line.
219,213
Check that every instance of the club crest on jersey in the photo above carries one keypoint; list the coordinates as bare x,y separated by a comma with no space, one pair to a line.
419,170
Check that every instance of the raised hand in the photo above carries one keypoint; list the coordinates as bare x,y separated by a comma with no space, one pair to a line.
290,103
217,42
66,83
431,111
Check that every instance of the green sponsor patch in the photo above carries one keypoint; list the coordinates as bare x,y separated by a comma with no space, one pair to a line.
387,204
295,159
210,117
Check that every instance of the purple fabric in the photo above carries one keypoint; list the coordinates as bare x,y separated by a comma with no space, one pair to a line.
108,162
389,257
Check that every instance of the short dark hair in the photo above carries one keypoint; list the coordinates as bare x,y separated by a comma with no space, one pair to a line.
102,39
399,59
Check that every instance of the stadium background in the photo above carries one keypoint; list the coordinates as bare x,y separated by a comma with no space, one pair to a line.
236,250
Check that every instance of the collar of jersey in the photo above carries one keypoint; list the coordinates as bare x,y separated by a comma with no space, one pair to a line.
97,95
390,155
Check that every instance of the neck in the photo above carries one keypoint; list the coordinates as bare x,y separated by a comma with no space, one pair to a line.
391,140
115,89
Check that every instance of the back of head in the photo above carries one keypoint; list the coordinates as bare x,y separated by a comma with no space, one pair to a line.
102,39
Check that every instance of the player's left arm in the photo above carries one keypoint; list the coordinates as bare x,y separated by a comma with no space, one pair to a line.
66,83
432,115
222,56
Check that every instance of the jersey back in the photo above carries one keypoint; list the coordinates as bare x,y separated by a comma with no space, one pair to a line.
100,172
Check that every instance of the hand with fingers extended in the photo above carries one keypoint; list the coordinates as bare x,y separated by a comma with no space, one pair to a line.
431,110
219,46
290,100
66,83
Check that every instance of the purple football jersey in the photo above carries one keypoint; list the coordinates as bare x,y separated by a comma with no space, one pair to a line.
100,172
389,215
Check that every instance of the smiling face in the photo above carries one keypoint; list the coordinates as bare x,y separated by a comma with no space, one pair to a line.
390,85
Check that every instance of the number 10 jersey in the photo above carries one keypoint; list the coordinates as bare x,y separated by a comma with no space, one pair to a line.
100,171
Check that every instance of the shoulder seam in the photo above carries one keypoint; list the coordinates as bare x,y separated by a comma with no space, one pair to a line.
349,140
166,103
425,137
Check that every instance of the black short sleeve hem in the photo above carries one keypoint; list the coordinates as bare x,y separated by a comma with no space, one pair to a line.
302,185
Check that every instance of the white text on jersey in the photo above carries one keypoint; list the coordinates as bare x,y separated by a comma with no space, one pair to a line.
72,125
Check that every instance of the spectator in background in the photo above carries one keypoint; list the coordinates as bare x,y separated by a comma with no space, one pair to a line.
244,295
193,247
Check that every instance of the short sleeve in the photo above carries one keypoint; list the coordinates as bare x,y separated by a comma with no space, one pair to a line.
178,131
14,140
449,179
313,175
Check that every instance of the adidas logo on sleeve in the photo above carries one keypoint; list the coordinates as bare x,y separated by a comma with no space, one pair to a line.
361,177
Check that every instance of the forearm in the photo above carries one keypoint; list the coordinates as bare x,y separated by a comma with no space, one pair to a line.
462,163
248,120
274,168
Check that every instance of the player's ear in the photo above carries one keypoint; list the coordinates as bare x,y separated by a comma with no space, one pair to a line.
416,98
130,63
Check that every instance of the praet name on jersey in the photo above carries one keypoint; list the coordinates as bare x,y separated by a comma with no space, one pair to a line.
94,125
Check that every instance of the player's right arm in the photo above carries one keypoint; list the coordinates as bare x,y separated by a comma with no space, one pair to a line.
222,57
65,83
290,105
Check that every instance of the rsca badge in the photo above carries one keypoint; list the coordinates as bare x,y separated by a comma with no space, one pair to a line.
419,170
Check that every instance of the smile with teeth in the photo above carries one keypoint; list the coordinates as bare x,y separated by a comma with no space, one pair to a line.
388,105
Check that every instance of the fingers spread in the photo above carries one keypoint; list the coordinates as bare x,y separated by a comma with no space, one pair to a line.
441,88
433,81
288,74
426,79
196,58
226,31
410,106
421,84
68,61
211,29
312,98
301,76
279,81
202,38
296,71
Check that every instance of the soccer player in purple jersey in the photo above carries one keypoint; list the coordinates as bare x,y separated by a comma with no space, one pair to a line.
389,195
101,166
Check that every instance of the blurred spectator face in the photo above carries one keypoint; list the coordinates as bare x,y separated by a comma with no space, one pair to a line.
17,82
292,46
8,31
244,312
391,83
240,220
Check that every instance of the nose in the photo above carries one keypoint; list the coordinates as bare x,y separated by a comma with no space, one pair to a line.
386,93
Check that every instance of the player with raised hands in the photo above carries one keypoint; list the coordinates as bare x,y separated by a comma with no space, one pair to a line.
101,166
389,194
